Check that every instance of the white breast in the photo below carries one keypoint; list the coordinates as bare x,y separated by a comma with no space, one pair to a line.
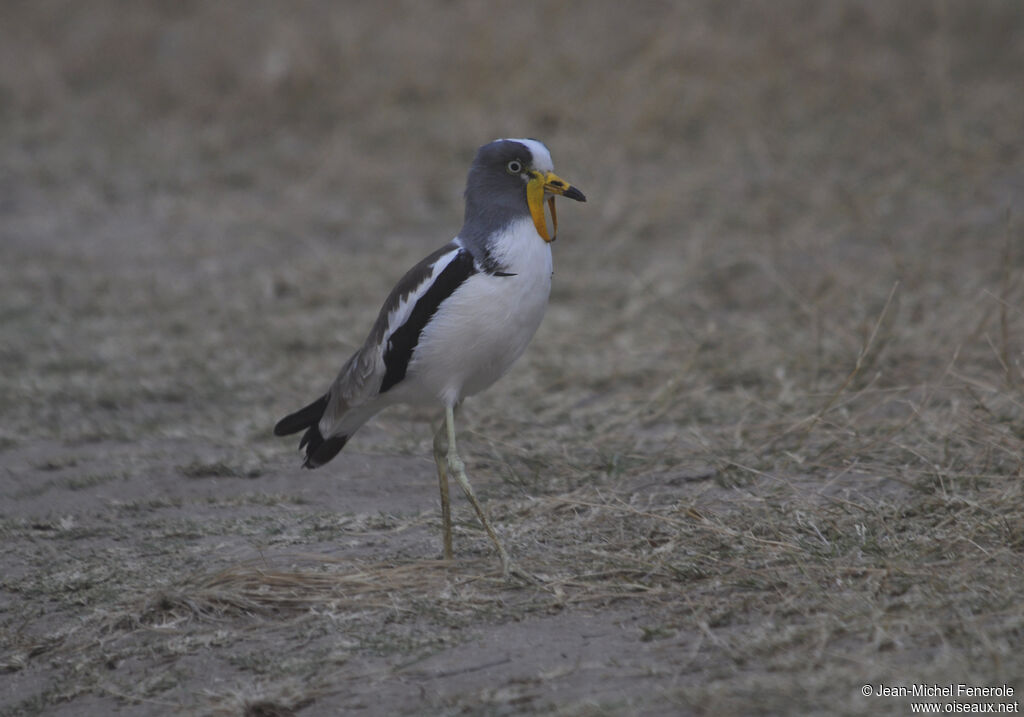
482,328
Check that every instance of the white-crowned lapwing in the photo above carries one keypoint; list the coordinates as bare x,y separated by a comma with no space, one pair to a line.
456,322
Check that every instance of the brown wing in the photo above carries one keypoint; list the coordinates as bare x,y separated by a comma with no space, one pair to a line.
359,380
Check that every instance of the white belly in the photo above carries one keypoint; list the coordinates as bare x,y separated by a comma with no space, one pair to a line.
482,328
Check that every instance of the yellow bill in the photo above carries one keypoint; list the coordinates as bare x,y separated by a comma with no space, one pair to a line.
548,184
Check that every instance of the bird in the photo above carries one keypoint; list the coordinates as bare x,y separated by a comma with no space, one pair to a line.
456,321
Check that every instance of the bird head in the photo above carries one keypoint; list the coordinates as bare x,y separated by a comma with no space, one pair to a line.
508,171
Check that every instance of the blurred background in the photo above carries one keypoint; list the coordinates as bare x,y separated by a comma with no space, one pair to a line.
212,198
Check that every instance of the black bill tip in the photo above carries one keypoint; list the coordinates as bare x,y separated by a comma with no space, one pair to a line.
573,193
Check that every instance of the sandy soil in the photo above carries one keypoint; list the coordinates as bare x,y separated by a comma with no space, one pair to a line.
765,449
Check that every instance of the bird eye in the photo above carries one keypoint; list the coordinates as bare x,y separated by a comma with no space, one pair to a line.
514,167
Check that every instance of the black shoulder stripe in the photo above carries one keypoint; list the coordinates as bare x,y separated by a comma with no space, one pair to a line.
489,265
404,339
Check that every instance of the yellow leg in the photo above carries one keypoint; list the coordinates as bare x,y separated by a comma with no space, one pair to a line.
458,469
440,450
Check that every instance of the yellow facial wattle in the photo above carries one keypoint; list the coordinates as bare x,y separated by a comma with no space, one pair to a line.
535,198
548,183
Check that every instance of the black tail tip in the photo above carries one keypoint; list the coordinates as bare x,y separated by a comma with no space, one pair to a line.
303,418
320,450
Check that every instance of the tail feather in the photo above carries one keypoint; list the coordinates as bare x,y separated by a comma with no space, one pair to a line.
303,418
319,450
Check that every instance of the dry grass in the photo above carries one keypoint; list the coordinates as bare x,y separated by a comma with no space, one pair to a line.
765,449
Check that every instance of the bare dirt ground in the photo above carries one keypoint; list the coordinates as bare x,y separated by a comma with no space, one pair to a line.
765,449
